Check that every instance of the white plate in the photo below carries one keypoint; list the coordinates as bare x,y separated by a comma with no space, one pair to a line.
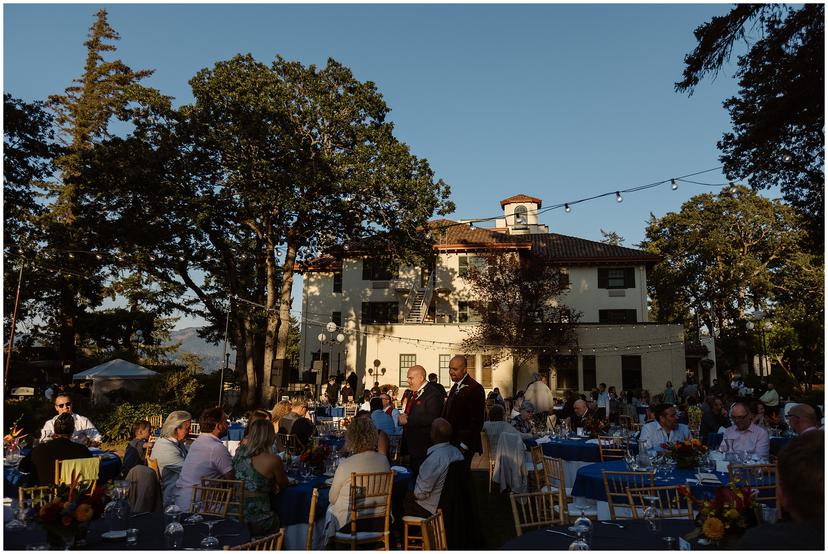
114,535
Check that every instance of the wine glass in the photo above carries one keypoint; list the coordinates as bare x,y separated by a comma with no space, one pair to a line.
651,514
19,515
195,517
210,542
583,528
630,458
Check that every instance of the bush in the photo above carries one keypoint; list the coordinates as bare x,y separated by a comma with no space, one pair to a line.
30,414
118,426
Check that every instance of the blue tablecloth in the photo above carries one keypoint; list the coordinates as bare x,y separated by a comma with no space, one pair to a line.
776,443
13,479
590,484
330,411
293,503
235,432
573,450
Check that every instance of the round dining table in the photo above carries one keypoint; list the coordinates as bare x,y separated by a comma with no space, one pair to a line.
635,535
150,534
110,468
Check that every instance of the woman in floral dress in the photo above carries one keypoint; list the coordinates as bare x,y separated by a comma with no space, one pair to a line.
262,473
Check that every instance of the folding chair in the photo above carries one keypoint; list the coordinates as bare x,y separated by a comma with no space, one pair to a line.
490,461
612,448
235,509
370,498
214,501
669,501
532,510
270,542
616,484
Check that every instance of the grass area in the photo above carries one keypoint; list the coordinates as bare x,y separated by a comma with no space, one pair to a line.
495,511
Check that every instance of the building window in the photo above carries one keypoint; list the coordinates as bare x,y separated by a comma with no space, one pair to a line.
470,261
380,312
378,270
486,372
630,372
616,277
337,281
336,317
590,378
443,368
406,361
566,368
471,365
616,316
466,313
520,216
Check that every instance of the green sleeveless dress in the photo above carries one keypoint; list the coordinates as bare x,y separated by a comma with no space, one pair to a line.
258,514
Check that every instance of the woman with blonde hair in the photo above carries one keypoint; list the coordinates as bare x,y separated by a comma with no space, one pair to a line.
262,473
361,442
281,409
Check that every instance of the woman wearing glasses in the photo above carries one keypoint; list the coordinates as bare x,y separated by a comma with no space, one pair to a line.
85,431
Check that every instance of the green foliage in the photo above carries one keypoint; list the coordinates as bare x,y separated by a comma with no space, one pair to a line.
778,117
31,413
117,426
173,389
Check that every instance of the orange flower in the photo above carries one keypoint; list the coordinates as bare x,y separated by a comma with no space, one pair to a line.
713,528
83,513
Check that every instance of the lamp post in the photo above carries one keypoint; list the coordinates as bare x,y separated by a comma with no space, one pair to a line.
758,316
339,338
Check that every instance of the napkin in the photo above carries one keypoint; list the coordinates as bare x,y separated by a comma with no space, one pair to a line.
593,441
399,469
543,440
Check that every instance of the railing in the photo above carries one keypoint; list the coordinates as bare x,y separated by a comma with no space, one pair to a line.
409,302
428,293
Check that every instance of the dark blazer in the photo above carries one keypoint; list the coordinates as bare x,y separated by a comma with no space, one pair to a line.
576,421
352,381
417,432
439,388
41,463
464,409
333,392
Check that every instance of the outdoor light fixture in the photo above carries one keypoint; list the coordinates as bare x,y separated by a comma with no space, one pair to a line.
618,197
99,256
567,209
787,158
673,184
733,188
71,256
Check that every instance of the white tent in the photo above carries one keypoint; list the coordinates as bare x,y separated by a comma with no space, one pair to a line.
112,375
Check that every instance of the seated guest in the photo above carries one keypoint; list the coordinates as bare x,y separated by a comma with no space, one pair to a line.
169,451
263,474
496,426
135,453
523,422
361,442
758,411
664,429
85,432
802,419
207,457
580,413
432,476
383,440
496,397
40,464
388,408
252,416
280,410
714,416
346,393
801,490
297,424
770,399
382,420
746,435
366,401
517,402
375,390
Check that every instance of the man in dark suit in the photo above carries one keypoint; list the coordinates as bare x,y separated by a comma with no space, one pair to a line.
332,390
464,409
353,380
421,406
40,464
433,382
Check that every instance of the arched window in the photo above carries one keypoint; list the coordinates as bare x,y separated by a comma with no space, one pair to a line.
520,216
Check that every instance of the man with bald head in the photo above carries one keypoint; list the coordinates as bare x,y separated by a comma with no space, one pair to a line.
580,412
421,406
423,501
464,409
746,436
802,419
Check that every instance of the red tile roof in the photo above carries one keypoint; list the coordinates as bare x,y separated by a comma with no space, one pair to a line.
520,198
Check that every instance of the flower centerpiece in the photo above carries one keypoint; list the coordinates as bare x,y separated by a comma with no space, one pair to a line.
13,441
315,456
725,515
686,453
595,426
70,510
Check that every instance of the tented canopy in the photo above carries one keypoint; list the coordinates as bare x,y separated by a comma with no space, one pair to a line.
116,369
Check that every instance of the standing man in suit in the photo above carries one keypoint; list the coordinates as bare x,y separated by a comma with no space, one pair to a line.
421,407
432,379
464,409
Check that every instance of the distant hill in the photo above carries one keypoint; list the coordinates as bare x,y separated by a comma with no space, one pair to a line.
211,354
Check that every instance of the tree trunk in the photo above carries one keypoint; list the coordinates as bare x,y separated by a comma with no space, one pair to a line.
247,364
272,324
284,298
68,328
515,372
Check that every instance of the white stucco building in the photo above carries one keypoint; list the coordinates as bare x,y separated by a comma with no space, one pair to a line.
393,318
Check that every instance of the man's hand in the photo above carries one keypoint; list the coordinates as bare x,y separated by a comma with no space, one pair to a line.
403,419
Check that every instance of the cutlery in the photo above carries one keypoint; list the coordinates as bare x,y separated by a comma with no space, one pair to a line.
138,514
559,533
620,526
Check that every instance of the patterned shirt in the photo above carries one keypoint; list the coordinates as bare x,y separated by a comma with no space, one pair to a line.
522,425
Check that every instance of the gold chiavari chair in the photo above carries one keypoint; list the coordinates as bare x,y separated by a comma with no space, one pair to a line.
211,501
38,495
87,468
762,477
311,519
235,508
616,484
270,542
612,448
156,421
490,461
152,463
668,500
434,532
534,467
289,443
555,483
532,510
370,499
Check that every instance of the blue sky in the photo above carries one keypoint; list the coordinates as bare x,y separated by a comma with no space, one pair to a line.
556,101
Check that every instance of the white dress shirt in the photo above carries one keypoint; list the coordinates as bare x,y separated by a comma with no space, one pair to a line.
753,439
84,429
432,476
655,434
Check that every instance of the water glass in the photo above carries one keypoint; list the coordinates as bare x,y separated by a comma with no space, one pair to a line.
174,535
132,536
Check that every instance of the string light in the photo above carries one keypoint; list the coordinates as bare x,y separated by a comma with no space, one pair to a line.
567,209
673,184
618,197
733,188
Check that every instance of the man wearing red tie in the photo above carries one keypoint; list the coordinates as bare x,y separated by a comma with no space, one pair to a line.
464,409
422,405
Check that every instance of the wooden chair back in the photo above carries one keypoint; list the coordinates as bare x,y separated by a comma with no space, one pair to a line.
152,463
311,519
214,501
89,480
156,421
668,500
490,460
616,484
434,532
762,477
195,428
350,411
370,498
235,509
289,443
38,495
270,542
553,469
537,469
625,421
612,448
532,510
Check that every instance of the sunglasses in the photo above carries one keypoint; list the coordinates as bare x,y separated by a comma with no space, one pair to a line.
64,404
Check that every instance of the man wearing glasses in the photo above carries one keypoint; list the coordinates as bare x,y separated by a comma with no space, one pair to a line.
85,431
747,436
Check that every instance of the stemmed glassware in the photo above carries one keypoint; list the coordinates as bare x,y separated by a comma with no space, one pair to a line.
20,515
174,531
631,459
652,515
195,517
210,542
582,527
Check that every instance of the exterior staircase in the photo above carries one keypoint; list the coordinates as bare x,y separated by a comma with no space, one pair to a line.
415,315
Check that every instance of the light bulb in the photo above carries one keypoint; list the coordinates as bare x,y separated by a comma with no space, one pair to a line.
567,209
618,197
673,184
733,187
